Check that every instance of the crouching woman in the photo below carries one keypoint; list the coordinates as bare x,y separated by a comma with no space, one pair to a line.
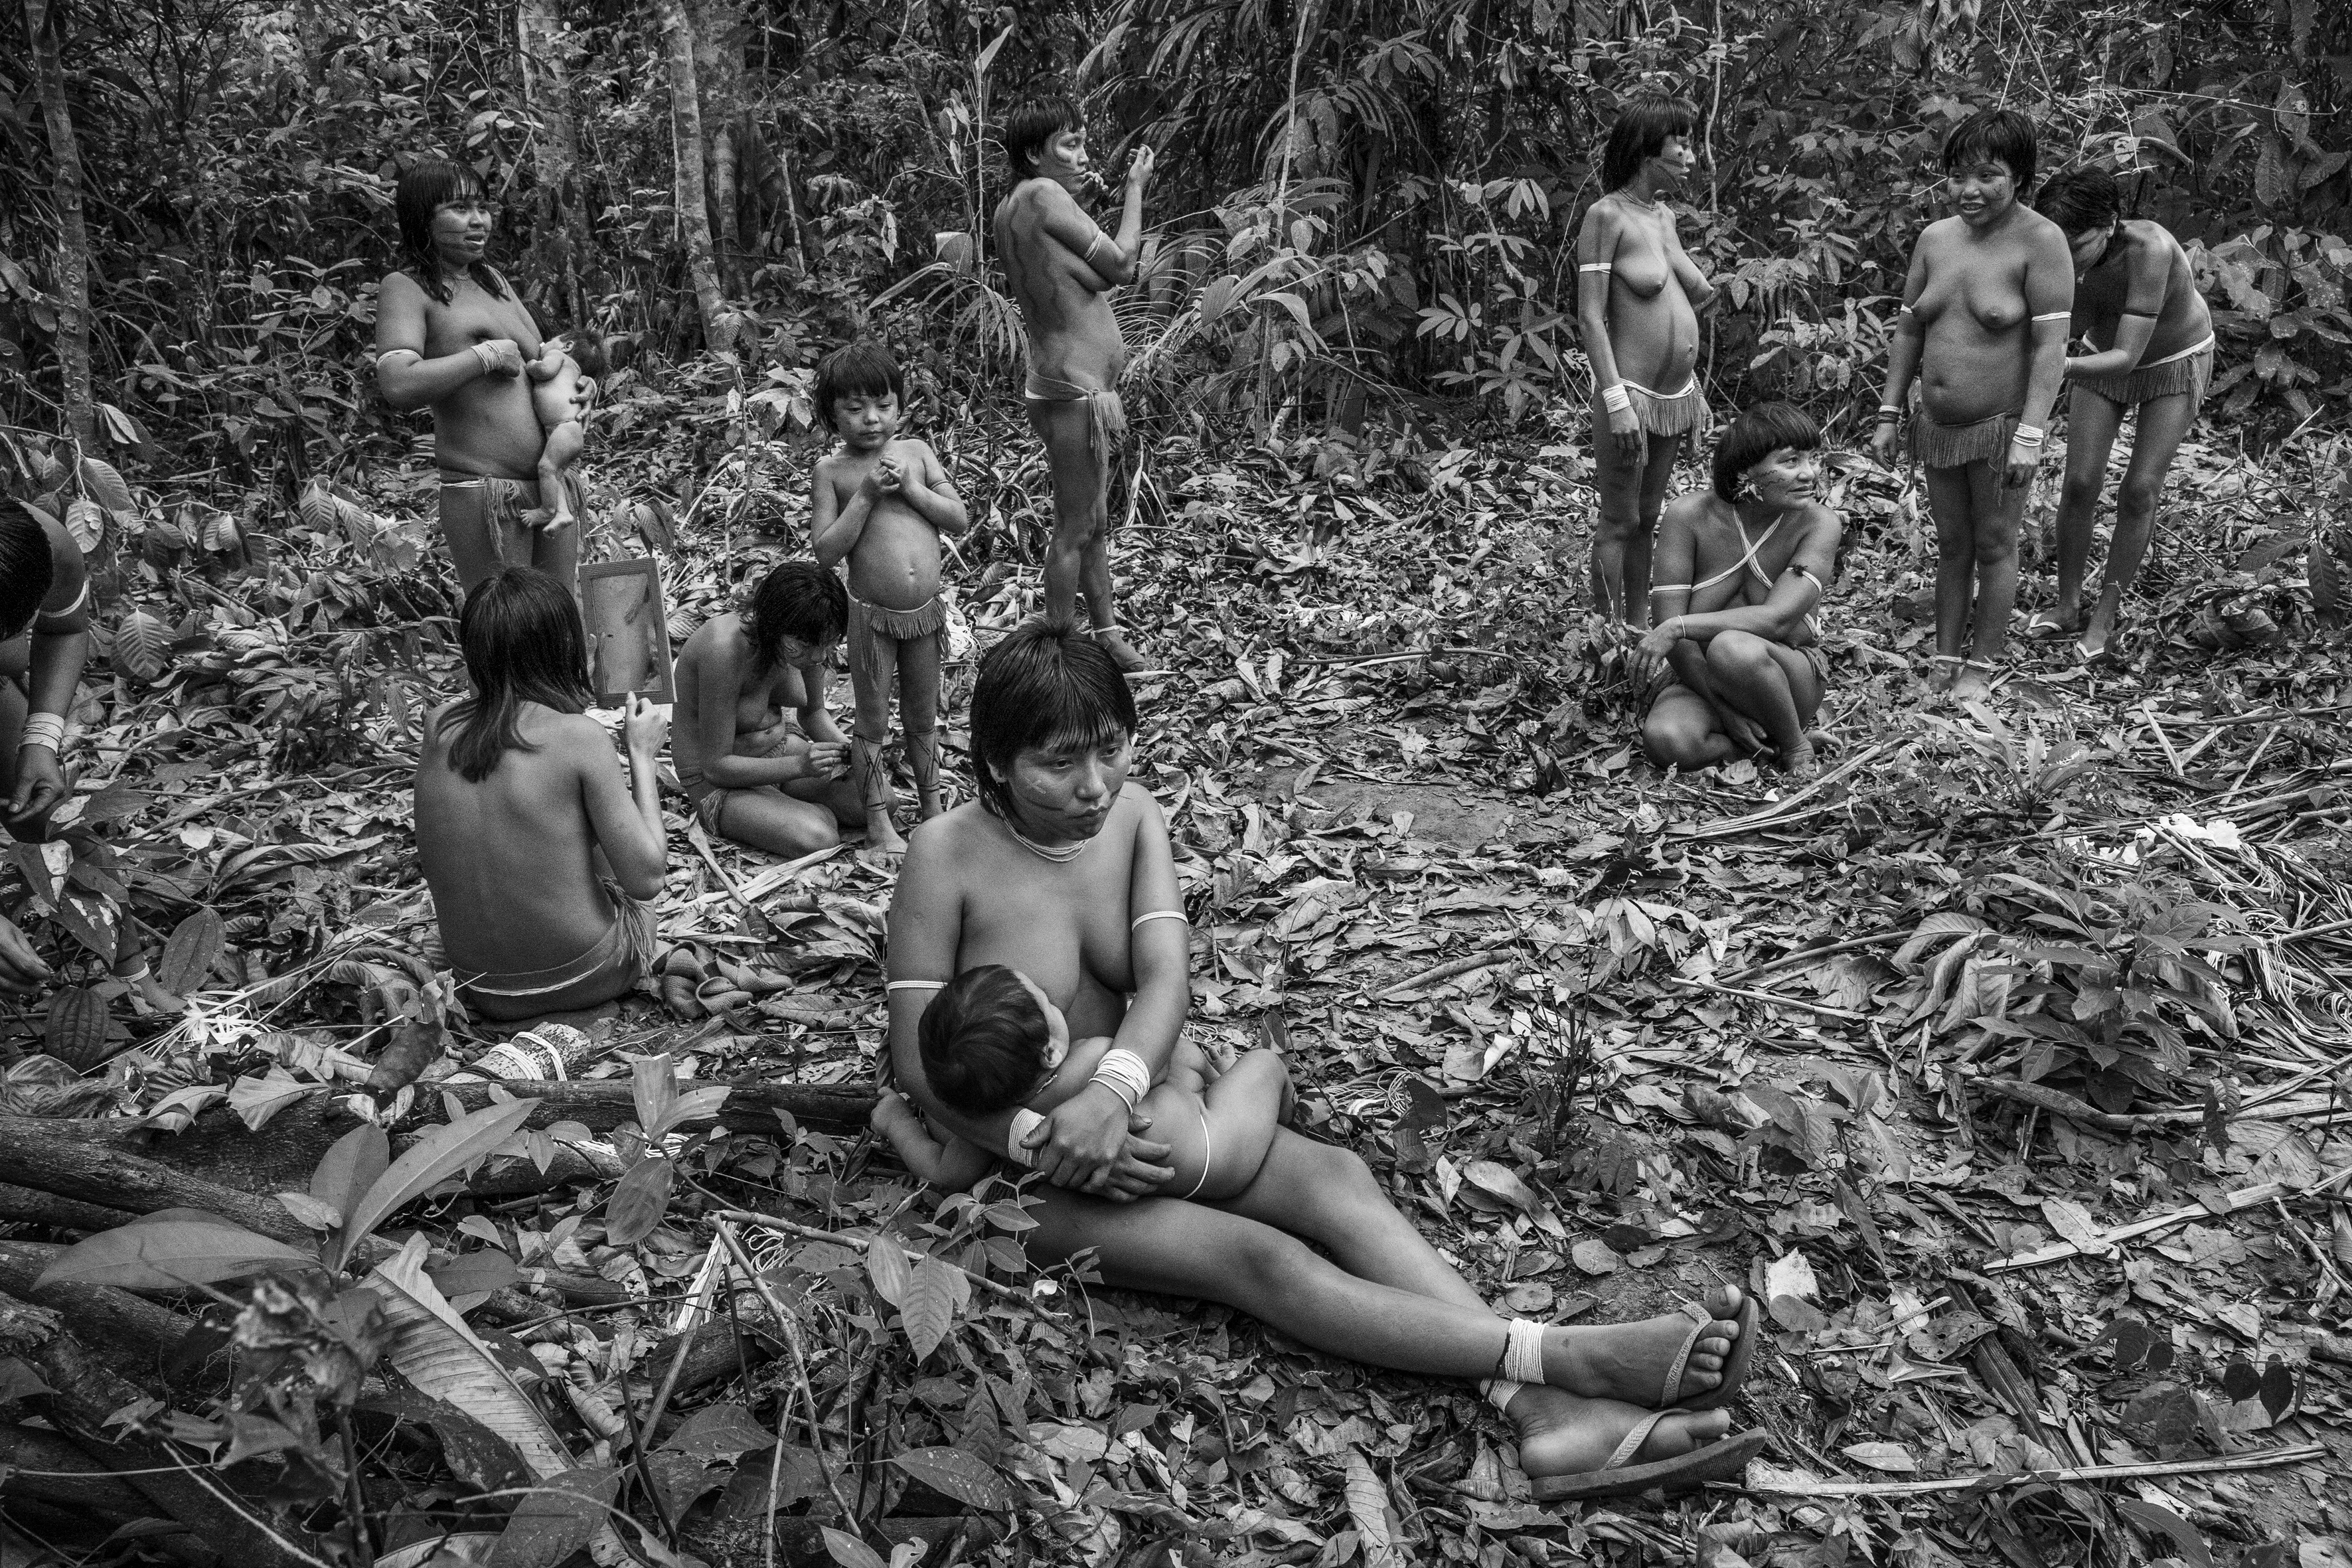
538,853
1733,665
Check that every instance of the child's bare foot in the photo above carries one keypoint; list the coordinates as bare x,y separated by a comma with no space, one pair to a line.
883,839
559,520
1942,669
1122,652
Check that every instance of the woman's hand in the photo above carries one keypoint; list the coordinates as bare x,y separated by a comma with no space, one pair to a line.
2024,459
1649,655
644,726
1138,169
1885,441
826,759
1744,732
1090,1144
22,972
500,357
40,785
1625,430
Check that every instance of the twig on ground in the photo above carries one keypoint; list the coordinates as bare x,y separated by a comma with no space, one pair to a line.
845,1238
1773,998
2244,1198
2268,1459
1450,969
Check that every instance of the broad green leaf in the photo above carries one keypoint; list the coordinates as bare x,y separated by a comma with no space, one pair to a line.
849,1551
189,954
143,646
440,1356
75,1031
928,1310
1368,1505
886,1265
440,1153
107,488
639,1201
653,1082
348,1170
963,1477
552,1523
174,1253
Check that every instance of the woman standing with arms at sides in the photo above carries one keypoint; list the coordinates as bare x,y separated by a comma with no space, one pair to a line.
2152,338
1983,328
1637,302
452,336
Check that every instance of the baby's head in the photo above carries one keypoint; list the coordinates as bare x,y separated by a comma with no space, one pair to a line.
861,394
564,396
991,1040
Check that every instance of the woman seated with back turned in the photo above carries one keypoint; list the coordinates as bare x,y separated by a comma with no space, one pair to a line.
1734,664
537,853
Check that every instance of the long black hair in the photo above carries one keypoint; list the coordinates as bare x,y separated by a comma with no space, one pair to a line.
1043,683
424,187
2079,200
522,640
26,571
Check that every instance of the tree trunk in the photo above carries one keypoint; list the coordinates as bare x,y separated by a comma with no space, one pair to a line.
131,1335
719,77
693,209
562,217
33,1153
73,236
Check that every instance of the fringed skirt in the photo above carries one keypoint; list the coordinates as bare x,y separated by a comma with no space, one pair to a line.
2190,372
1957,446
1661,413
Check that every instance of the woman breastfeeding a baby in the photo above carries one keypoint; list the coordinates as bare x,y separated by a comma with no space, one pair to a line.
1047,911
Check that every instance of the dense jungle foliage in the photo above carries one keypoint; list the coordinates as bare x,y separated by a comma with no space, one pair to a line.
1359,202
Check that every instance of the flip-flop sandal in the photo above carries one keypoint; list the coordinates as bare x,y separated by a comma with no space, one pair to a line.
1724,1460
1735,1365
2044,628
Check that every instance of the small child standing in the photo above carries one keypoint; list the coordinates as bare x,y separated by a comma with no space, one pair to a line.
561,394
991,1040
883,501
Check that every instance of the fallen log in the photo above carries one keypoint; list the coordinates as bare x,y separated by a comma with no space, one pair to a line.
133,1336
604,1103
50,1467
35,1152
83,1394
24,1205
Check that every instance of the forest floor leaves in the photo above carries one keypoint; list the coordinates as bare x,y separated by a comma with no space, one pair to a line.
2007,977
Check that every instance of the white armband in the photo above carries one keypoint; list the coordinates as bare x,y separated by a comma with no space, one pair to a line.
45,730
1616,399
1124,1074
1016,1149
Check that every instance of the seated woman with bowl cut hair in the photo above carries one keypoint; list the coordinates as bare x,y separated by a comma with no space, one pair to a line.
1735,663
2152,350
1983,328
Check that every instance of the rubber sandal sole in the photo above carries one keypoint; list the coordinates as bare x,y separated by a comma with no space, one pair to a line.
1723,1461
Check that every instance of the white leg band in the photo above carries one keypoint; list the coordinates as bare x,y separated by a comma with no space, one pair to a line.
1523,1352
1500,1391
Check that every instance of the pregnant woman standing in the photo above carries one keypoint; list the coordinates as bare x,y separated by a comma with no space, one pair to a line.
452,335
1637,300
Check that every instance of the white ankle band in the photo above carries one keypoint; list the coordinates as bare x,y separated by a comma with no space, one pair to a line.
1500,1391
1523,1352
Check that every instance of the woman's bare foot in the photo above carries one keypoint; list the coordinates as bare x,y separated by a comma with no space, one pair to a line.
1560,1435
1800,763
1941,671
1629,1361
